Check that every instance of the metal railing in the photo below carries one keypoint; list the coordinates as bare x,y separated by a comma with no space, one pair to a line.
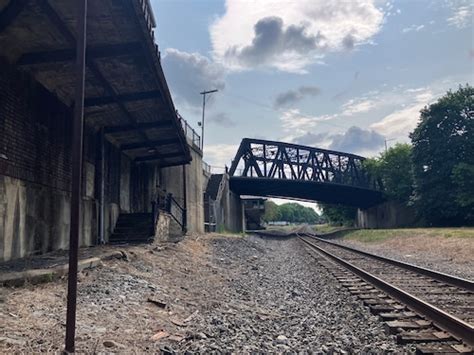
206,167
189,132
176,211
167,203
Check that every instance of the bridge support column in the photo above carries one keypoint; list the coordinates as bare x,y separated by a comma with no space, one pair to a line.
390,214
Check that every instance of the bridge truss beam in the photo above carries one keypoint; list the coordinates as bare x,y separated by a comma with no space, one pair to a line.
258,158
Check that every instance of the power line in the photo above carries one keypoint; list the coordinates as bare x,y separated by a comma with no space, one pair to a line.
273,109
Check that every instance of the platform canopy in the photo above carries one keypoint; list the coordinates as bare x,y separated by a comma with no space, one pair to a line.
126,91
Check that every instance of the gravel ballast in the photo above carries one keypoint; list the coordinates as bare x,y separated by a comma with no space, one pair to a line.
439,254
221,293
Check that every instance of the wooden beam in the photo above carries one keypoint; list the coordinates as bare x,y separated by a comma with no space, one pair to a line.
158,157
56,20
11,12
150,143
137,126
69,54
134,96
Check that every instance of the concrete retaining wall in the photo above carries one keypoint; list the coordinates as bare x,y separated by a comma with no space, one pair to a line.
35,219
386,215
171,180
228,209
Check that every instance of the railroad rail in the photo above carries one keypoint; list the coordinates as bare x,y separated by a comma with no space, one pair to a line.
424,306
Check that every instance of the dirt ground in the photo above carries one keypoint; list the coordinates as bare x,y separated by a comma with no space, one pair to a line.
227,294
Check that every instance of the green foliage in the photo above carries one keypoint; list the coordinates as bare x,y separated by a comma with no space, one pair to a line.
339,214
289,212
443,155
271,211
463,180
394,168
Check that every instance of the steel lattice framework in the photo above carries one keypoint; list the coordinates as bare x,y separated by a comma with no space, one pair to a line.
258,158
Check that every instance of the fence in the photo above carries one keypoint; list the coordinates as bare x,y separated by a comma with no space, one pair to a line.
190,132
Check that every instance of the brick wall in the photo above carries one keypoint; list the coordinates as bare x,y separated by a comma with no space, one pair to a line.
35,132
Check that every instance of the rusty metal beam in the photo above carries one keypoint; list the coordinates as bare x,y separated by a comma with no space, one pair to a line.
69,54
138,126
154,143
76,180
133,96
11,12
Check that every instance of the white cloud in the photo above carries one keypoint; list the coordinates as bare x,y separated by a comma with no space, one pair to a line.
291,35
220,155
355,106
462,14
415,28
296,123
401,122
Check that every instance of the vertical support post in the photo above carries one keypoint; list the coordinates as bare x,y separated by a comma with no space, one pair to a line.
265,160
76,195
185,201
202,121
102,187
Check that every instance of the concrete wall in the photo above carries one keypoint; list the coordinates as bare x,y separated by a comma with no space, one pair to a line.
389,214
34,219
35,173
171,180
228,209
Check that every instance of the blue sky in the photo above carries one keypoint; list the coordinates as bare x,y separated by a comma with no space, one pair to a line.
342,74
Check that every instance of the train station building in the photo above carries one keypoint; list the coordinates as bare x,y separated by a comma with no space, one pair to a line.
140,156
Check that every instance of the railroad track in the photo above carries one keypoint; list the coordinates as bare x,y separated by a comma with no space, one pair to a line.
422,306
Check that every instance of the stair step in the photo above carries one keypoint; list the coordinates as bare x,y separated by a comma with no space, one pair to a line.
133,228
133,235
126,241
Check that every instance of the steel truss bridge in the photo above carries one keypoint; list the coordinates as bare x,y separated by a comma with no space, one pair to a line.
277,169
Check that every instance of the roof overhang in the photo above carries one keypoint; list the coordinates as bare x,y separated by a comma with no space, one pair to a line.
126,91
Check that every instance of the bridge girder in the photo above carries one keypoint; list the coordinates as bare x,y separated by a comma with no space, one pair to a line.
270,168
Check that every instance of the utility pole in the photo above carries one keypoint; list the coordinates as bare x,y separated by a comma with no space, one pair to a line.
388,140
204,93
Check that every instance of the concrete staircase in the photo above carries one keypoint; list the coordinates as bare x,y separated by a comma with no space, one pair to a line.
133,228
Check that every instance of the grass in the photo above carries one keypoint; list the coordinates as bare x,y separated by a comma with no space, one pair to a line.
325,228
380,235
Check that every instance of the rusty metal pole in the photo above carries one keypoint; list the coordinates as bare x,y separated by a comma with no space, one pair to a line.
185,201
76,181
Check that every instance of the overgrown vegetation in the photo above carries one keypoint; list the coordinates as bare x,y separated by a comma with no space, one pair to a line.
435,174
290,212
394,168
443,160
338,214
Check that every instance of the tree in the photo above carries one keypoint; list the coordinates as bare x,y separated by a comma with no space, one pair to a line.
395,169
463,179
271,211
443,155
339,214
290,212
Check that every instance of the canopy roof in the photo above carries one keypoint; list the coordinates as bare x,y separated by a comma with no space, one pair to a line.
126,91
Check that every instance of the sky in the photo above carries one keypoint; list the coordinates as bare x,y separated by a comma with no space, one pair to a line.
347,75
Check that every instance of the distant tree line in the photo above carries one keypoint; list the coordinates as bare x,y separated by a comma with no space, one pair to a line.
290,212
435,173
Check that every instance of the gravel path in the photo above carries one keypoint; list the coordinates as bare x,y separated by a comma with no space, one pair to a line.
227,294
278,299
